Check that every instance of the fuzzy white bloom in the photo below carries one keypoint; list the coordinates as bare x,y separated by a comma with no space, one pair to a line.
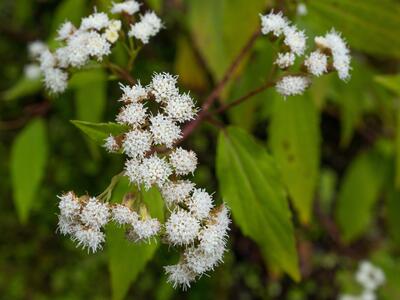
292,85
55,80
275,23
369,276
148,27
183,161
133,114
136,143
32,71
154,170
302,9
316,63
115,25
164,130
66,225
95,214
145,229
340,52
69,205
134,93
163,87
111,144
200,204
122,215
199,261
295,40
77,52
62,56
285,60
133,171
180,275
176,192
96,21
129,7
97,45
65,31
36,48
88,237
111,35
47,60
181,227
181,108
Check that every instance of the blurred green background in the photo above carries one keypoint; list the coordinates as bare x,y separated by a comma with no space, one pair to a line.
346,141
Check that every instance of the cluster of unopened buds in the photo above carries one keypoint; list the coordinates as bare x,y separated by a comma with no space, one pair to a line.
370,277
331,53
194,223
93,40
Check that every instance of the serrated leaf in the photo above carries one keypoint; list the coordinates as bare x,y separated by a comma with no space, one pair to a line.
28,161
23,87
127,259
251,186
99,131
358,194
360,22
295,143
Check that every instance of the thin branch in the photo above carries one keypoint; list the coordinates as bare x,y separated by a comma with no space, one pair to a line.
122,73
208,102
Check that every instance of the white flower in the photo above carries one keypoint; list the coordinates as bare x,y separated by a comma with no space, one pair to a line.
368,295
181,108
145,229
47,60
135,93
36,48
148,27
316,63
163,87
370,276
181,228
136,143
111,35
164,130
133,171
32,71
200,262
66,225
77,51
62,56
65,31
95,214
285,60
274,23
115,25
88,237
295,40
340,52
183,161
133,114
175,192
180,275
128,7
55,80
292,85
96,21
111,144
200,203
302,9
97,45
69,205
122,215
154,170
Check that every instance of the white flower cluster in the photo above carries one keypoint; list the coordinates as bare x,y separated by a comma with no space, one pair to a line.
91,41
370,278
331,53
83,218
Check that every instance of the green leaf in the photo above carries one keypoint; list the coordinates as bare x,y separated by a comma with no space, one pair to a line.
28,161
251,186
221,28
358,194
68,10
99,131
23,87
295,143
90,94
391,82
127,259
361,22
